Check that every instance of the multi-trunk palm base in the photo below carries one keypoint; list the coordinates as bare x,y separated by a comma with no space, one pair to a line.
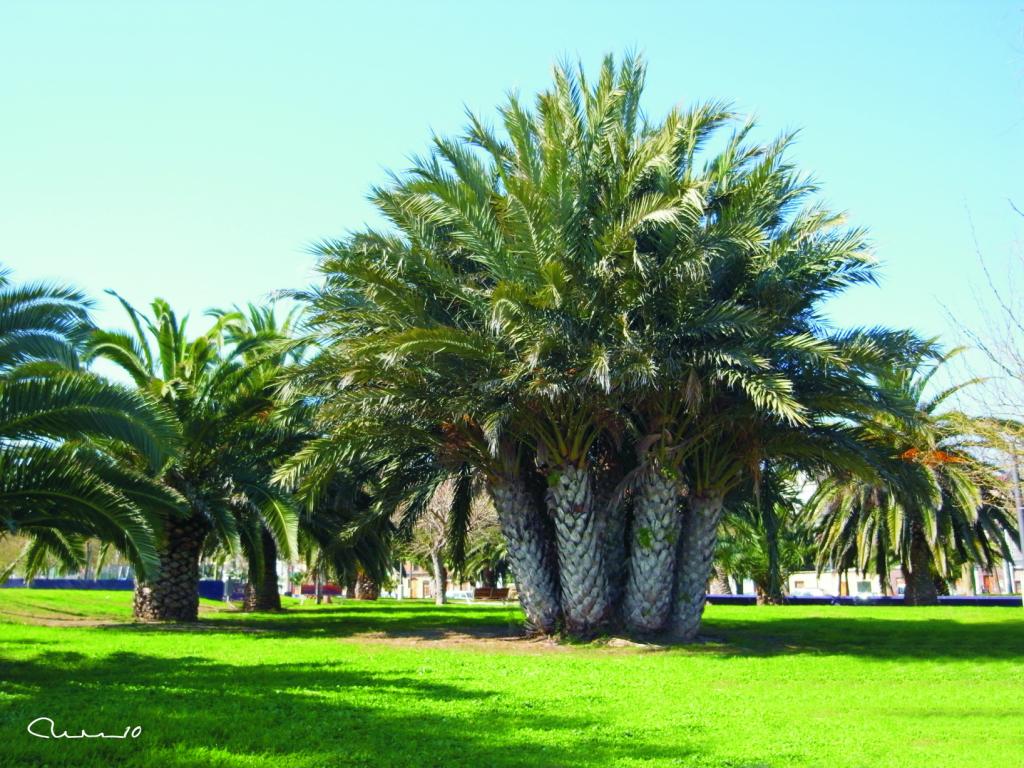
560,556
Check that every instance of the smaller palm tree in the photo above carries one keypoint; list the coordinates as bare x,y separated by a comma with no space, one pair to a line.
926,501
224,401
765,536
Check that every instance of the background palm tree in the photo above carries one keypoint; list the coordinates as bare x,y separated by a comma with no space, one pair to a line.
340,539
928,503
765,536
486,550
223,401
64,433
264,341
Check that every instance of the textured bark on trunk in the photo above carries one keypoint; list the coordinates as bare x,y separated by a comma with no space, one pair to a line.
366,588
695,560
529,553
261,593
586,604
920,589
765,597
173,592
719,583
652,554
440,579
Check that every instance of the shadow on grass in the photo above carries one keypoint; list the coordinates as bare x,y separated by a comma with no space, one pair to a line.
194,711
891,637
405,619
750,631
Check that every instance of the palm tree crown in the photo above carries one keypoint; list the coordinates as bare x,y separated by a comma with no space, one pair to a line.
64,431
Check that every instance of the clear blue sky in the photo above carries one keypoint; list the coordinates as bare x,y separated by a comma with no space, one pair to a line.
193,150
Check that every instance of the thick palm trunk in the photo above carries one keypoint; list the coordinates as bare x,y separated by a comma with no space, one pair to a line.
719,582
488,578
765,595
261,593
652,555
529,553
440,579
920,589
366,588
586,604
173,592
695,559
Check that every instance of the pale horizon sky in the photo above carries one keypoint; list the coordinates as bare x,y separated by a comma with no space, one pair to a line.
194,150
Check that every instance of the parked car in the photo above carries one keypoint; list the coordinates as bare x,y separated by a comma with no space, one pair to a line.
460,594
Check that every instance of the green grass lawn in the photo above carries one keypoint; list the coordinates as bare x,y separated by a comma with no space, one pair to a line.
409,684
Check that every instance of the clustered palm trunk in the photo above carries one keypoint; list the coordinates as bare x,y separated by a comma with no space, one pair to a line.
529,552
582,568
670,557
653,552
696,559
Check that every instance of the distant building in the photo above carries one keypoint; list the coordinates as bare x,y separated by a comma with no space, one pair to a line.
976,581
835,584
414,581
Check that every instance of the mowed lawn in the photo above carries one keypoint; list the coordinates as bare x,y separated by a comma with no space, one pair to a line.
409,684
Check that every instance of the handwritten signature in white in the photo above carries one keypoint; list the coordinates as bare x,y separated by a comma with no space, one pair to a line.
129,732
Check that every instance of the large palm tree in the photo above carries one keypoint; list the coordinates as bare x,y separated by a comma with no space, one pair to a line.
63,432
929,501
600,321
223,400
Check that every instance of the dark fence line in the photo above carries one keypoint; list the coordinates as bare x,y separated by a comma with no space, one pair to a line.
1003,601
72,583
211,589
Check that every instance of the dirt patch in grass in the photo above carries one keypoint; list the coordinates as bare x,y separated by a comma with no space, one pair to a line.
501,640
468,638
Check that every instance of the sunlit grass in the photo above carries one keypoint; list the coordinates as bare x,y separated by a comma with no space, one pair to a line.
411,684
